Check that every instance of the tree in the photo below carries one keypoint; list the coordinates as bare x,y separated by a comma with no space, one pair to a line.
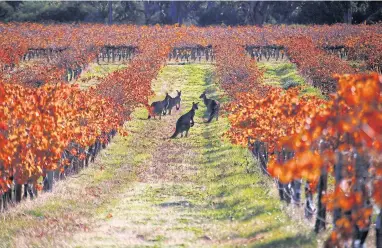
258,12
369,12
110,15
201,13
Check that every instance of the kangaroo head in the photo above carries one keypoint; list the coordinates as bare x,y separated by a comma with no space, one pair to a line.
179,92
203,95
195,105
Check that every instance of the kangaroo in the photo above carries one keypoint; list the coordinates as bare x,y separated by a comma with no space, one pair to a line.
213,106
185,122
159,107
177,100
174,102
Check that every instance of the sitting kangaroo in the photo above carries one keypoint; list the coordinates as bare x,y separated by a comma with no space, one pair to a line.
159,107
213,106
185,122
174,102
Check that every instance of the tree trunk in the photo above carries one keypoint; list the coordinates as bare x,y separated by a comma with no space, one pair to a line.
378,240
362,166
175,12
18,192
48,181
250,13
2,203
338,176
147,10
321,208
110,19
257,12
348,15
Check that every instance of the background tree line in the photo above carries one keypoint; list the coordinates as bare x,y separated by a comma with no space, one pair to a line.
196,13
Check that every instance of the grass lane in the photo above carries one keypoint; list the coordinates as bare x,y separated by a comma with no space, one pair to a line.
199,191
196,192
285,74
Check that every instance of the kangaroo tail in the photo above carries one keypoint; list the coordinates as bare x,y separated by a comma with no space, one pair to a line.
215,111
151,111
174,135
210,118
211,115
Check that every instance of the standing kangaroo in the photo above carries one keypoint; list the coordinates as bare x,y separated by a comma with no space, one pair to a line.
159,107
177,99
174,102
213,106
185,122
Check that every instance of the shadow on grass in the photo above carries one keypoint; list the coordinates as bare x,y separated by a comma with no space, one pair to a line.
239,201
286,242
263,230
286,75
177,204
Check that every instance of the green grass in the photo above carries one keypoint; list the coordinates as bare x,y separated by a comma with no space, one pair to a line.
200,193
101,71
97,72
285,75
237,195
241,204
47,208
73,202
115,175
358,64
282,74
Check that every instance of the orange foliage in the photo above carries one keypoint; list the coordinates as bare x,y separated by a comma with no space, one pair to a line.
270,119
38,124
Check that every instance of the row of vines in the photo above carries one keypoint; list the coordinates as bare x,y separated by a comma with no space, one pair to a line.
45,128
300,139
70,46
52,130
